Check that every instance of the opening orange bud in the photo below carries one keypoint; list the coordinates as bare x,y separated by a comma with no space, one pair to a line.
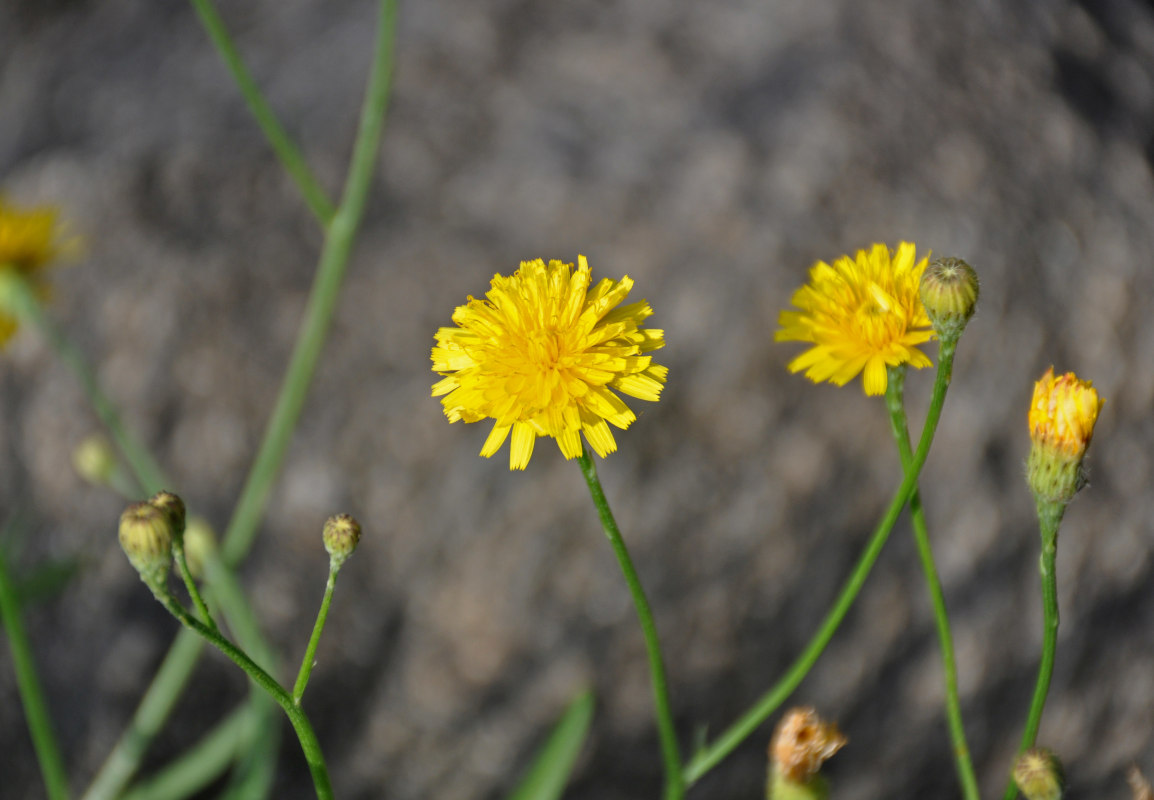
801,743
1062,418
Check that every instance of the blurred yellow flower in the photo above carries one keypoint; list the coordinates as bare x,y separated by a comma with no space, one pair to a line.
30,240
541,355
860,315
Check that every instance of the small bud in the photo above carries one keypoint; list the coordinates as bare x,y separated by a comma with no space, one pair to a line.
949,292
173,507
199,545
1038,774
801,743
94,460
341,535
146,536
1062,417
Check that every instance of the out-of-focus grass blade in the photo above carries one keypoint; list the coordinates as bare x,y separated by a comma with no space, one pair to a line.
549,772
47,580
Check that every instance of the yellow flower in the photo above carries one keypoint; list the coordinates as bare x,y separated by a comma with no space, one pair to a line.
1063,413
860,315
29,241
1062,417
541,355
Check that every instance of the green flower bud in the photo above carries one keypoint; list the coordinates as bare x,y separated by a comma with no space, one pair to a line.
341,535
199,545
94,460
173,507
1038,774
949,292
146,536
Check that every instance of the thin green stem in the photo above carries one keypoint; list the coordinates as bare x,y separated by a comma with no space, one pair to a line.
334,259
190,584
318,627
674,782
895,403
290,157
17,296
1049,520
31,694
711,755
339,236
300,722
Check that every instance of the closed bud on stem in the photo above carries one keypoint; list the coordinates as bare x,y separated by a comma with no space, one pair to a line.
341,535
94,460
1039,776
146,536
173,508
949,292
1062,417
199,545
801,743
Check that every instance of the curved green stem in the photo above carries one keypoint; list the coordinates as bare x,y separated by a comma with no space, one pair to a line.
300,722
711,755
674,781
896,405
31,694
322,301
1049,519
190,583
290,157
318,627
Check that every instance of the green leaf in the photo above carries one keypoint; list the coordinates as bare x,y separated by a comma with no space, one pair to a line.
547,775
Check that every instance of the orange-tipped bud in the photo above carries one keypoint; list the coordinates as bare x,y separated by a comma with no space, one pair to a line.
801,743
1062,417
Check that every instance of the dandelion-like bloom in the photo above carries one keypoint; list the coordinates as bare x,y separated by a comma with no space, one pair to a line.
1062,418
29,241
861,315
542,353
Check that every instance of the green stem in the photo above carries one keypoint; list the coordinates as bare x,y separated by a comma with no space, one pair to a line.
895,403
674,782
318,627
300,722
31,694
180,660
711,755
190,584
290,157
322,300
1049,519
18,297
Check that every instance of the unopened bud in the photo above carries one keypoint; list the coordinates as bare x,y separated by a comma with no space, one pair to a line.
199,545
801,743
146,536
341,535
1062,418
173,507
94,460
1038,774
949,292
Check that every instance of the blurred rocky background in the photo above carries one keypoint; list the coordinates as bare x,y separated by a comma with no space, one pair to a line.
713,152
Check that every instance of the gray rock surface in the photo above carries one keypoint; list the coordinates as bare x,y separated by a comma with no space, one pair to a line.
712,151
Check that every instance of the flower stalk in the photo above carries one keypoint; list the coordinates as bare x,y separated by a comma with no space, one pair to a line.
671,756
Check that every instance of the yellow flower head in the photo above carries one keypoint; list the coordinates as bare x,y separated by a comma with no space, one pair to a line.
29,241
1063,413
861,314
1062,417
541,355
